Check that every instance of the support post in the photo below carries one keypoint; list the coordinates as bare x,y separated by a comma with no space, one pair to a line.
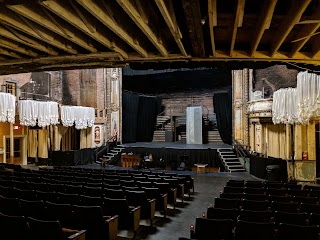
293,153
11,144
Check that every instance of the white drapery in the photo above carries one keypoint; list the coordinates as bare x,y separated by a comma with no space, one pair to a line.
297,105
284,106
308,96
41,113
7,107
81,117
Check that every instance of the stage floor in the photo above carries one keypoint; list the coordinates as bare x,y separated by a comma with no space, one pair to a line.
175,145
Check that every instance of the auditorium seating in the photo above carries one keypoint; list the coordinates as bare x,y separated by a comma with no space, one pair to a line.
268,210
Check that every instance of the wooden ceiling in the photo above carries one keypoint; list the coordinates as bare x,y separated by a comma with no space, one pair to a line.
38,35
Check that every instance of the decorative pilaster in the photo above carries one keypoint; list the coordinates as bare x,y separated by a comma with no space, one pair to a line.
240,83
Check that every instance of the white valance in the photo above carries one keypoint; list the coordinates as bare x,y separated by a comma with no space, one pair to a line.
308,96
284,106
7,107
35,112
81,117
300,104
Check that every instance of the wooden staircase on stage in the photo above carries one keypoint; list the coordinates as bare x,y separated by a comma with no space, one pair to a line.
230,160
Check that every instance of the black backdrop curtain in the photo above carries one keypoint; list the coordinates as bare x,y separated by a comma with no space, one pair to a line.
222,104
139,117
130,106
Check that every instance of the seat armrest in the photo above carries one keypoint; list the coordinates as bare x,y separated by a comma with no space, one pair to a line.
80,235
152,207
136,217
112,226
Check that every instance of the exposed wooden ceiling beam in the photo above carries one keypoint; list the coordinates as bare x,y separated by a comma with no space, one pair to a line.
71,17
292,17
192,14
53,25
171,23
212,13
141,11
14,35
264,21
9,53
136,17
16,47
96,10
239,13
306,32
315,47
51,39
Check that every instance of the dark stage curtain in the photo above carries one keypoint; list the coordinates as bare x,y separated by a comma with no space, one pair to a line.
139,117
130,106
147,117
222,104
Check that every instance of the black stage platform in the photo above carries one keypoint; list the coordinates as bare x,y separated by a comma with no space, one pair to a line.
176,145
172,153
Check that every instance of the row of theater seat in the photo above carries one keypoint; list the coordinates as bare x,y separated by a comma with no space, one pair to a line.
110,192
217,229
253,214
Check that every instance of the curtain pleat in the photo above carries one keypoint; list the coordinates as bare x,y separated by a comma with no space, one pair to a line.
43,146
32,143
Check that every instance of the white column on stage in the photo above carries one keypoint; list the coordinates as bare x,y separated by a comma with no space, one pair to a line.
194,125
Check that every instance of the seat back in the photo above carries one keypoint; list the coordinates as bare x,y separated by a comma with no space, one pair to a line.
220,213
61,212
285,207
296,232
35,209
255,216
49,230
254,230
255,205
228,189
91,219
10,206
310,208
291,218
235,183
226,203
14,227
215,228
118,207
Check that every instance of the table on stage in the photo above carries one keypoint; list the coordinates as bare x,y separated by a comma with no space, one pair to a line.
201,167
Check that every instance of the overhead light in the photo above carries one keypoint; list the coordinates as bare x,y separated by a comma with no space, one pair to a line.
203,21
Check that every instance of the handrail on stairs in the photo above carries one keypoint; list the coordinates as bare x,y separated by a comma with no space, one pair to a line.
240,149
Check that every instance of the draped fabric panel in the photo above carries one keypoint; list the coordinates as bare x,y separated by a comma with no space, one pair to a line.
83,138
43,143
222,104
130,105
7,107
32,143
139,117
147,116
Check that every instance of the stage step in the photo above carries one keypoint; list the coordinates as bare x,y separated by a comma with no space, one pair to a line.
162,120
108,158
159,136
230,160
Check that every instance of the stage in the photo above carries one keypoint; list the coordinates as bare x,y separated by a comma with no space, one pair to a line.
176,145
172,153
